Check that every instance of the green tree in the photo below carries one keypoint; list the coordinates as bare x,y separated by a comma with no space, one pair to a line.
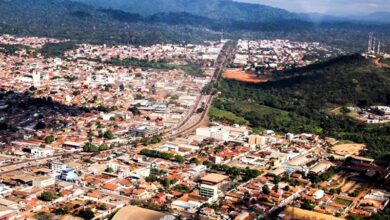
108,135
86,214
42,216
266,190
109,170
194,161
49,139
46,196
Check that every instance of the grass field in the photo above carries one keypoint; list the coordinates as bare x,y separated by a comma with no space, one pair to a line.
222,115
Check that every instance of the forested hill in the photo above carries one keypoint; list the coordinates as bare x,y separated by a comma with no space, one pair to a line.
78,21
348,80
215,9
186,21
300,102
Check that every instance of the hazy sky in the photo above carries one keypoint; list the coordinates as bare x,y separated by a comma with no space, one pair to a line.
333,7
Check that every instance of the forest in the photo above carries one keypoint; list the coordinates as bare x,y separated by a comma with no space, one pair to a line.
86,23
300,101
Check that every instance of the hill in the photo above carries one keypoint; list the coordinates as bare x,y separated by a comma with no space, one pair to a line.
301,99
78,21
215,9
187,21
380,16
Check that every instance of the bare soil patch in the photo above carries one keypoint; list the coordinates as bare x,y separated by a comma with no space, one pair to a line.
238,74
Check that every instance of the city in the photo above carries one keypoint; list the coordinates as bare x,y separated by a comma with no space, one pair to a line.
109,130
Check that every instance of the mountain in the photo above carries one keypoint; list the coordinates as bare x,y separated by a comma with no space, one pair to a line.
376,17
214,9
175,21
82,22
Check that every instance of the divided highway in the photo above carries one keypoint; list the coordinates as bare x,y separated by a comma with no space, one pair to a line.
193,120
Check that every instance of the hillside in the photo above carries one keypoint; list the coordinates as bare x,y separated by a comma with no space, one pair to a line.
191,21
215,9
302,98
77,21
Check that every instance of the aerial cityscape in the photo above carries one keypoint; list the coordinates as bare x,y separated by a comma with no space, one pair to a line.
154,110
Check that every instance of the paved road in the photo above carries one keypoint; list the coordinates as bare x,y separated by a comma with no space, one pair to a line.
193,120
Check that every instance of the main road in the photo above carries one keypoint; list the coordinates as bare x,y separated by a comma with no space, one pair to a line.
194,119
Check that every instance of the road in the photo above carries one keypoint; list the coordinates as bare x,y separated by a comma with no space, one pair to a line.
193,120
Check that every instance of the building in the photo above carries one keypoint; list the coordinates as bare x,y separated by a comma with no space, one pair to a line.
211,184
256,140
189,203
217,132
208,191
7,213
41,152
137,213
42,182
57,167
69,174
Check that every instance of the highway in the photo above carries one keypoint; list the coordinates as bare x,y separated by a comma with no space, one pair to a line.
193,120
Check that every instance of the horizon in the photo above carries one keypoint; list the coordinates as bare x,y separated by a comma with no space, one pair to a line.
341,8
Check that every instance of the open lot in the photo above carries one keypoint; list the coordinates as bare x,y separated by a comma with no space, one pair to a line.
348,149
243,76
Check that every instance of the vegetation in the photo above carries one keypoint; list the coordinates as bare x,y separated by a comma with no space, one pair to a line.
91,148
42,216
226,116
47,196
8,49
192,70
49,139
86,214
234,172
109,170
298,101
163,155
56,49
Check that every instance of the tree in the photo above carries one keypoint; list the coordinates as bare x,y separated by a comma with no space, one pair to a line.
307,205
89,147
61,211
166,183
103,147
108,135
194,161
266,189
86,214
47,196
344,110
109,170
42,216
179,158
102,207
49,139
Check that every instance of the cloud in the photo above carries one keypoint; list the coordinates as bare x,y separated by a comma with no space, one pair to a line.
334,7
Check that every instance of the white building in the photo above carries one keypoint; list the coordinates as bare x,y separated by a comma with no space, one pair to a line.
217,132
208,191
41,152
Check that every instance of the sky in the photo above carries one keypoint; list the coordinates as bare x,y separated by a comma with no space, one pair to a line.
331,7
